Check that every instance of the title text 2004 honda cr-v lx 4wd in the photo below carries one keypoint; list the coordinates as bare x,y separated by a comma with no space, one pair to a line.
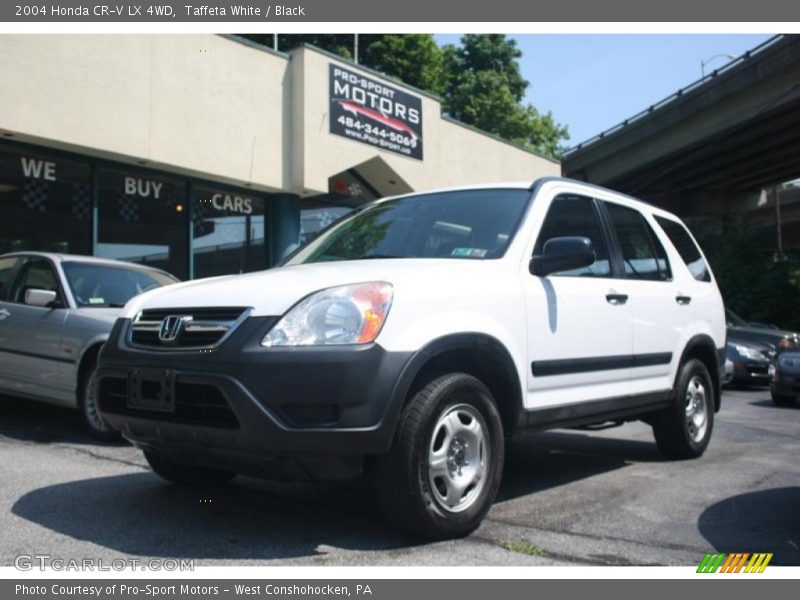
408,339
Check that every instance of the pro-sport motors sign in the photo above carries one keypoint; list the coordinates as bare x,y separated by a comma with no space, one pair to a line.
374,113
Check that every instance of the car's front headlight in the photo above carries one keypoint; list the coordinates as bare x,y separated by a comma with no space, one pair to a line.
349,314
750,353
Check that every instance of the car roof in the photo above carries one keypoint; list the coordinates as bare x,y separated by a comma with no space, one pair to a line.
60,257
533,185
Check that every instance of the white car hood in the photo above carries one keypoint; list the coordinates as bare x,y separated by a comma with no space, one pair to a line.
273,292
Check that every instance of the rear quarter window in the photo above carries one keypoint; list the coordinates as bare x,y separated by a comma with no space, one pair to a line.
686,247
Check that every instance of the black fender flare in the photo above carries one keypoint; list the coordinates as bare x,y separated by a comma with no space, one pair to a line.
706,341
459,341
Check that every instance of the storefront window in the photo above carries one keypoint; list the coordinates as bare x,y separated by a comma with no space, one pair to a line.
143,218
46,203
228,232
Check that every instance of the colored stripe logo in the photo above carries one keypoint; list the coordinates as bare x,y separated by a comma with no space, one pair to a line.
737,562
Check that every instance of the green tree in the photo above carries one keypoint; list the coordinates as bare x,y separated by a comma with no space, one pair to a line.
755,283
415,59
485,88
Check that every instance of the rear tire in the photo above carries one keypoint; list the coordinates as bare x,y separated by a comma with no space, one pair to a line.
87,404
443,471
783,401
183,474
683,430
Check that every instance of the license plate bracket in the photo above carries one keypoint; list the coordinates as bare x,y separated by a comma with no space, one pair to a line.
152,389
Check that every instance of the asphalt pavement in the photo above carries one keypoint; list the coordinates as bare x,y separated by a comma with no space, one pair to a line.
568,497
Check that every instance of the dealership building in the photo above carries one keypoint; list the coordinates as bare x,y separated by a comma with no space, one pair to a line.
206,154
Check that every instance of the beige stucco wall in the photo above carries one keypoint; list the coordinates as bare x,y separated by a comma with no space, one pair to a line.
200,104
210,106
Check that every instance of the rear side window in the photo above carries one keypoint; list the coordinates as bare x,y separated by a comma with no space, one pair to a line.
6,267
571,215
686,247
643,255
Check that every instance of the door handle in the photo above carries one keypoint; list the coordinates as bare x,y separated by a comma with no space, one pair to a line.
683,300
616,299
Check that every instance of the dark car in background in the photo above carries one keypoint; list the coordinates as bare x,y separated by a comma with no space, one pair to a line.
785,386
752,349
752,362
750,332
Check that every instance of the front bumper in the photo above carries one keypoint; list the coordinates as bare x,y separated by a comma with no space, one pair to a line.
786,383
295,412
751,373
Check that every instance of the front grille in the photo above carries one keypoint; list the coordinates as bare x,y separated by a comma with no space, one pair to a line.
195,404
190,328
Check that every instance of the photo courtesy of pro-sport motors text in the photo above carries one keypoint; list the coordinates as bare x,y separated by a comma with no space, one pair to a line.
344,300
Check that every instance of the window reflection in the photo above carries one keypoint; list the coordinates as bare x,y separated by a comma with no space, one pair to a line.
46,203
228,232
143,219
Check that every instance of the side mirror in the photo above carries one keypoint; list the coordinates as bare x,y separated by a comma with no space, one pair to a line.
563,254
42,298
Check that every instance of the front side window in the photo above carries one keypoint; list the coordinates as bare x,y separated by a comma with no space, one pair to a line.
571,215
643,255
686,247
468,224
36,274
97,286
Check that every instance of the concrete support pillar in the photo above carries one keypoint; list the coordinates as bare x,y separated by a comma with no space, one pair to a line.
284,225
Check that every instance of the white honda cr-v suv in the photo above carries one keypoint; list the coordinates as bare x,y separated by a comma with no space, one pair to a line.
410,338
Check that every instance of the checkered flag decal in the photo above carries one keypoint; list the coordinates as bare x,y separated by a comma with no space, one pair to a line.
82,202
34,194
128,208
326,219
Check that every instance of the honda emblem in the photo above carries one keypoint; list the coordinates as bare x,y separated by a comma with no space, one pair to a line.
171,328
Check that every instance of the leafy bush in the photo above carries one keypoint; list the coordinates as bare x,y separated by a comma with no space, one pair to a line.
756,282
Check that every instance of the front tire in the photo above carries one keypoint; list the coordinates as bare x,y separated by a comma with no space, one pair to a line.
87,404
782,401
683,430
183,474
443,471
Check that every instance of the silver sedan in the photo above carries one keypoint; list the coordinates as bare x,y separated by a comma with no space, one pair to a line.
56,311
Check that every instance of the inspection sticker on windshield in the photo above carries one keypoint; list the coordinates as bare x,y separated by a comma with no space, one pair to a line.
97,300
469,252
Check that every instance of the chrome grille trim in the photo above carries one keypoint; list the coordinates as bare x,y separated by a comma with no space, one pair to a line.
148,322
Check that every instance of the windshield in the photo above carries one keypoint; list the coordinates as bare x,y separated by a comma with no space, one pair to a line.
735,320
471,224
98,285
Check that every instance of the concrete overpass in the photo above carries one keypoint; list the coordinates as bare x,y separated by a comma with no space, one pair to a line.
711,147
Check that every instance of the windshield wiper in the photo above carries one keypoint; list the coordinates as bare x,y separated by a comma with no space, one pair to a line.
104,305
371,256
